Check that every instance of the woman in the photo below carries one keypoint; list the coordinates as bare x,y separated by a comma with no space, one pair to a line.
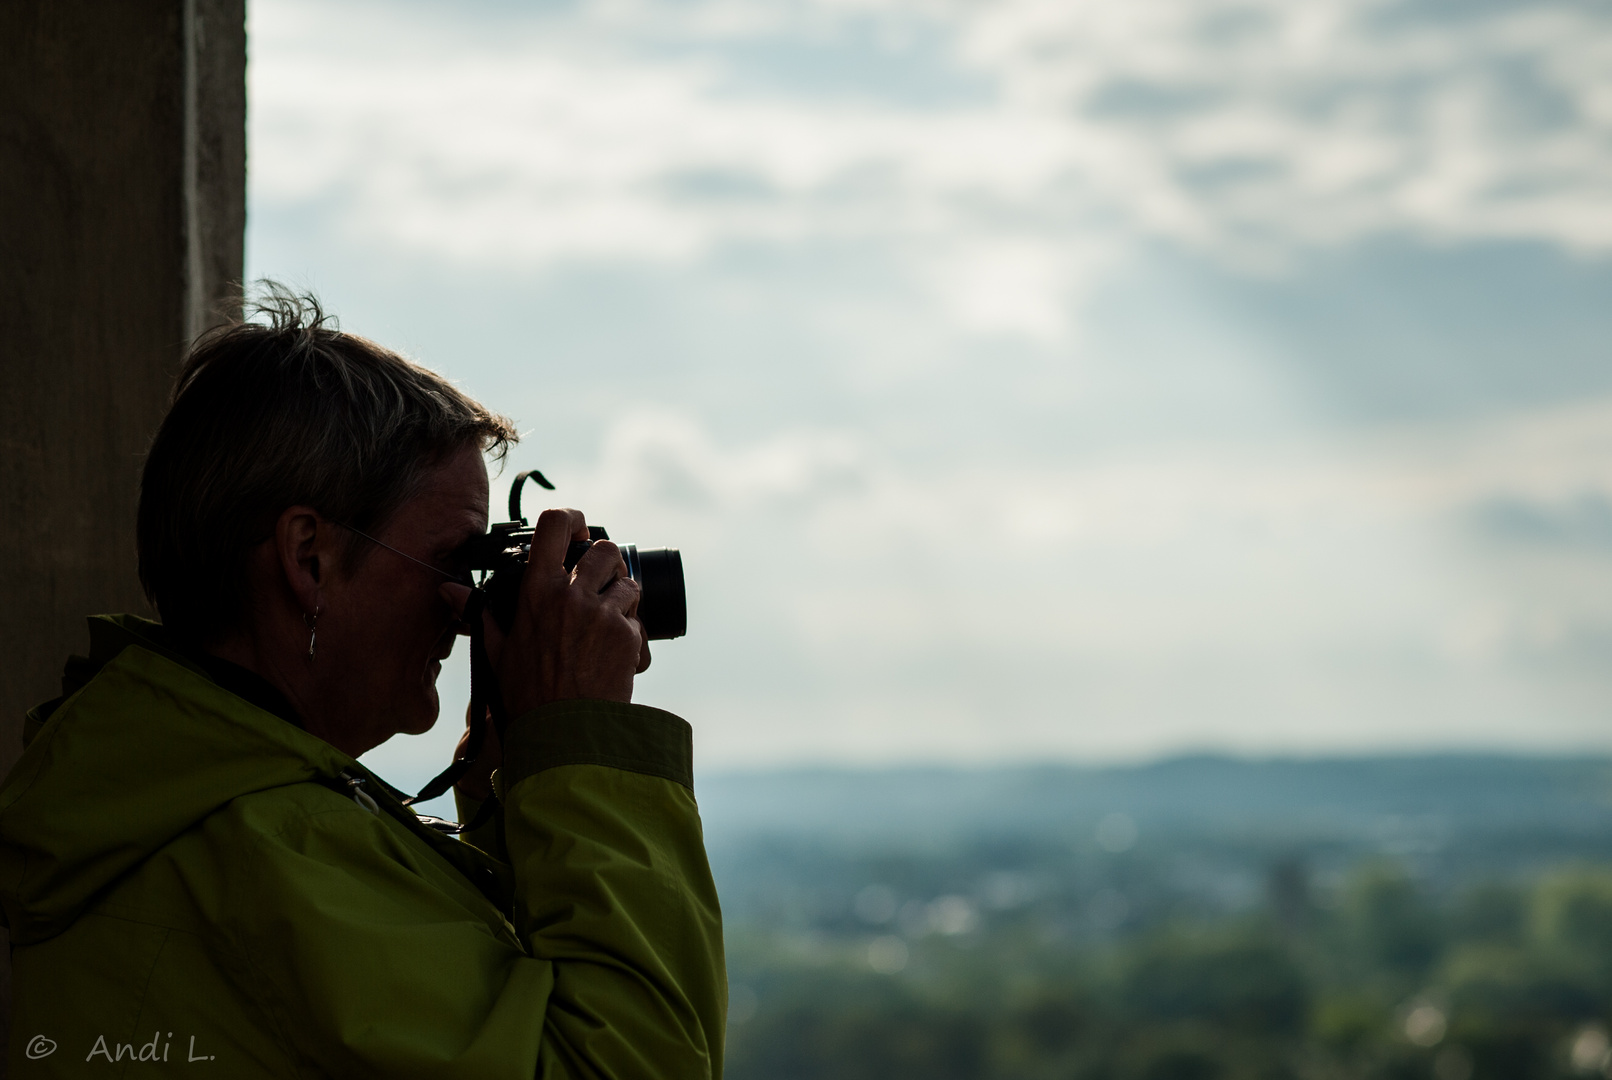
195,868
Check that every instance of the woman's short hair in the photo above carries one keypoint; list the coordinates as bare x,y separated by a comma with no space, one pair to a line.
285,410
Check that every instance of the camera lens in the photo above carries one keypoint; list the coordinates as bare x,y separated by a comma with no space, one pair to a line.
663,606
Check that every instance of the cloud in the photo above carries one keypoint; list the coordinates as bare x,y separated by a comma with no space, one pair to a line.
906,540
1310,594
1584,521
1248,129
1244,125
1304,596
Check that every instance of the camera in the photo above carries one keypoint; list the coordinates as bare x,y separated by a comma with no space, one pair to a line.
502,553
500,556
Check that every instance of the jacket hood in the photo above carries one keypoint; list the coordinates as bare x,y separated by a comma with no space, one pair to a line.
144,746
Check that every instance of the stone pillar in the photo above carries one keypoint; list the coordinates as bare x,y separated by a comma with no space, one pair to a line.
122,212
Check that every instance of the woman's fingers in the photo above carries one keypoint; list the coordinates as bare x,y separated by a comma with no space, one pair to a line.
599,566
576,635
621,596
552,535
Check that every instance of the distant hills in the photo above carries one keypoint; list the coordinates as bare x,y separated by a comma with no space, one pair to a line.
1454,815
1342,795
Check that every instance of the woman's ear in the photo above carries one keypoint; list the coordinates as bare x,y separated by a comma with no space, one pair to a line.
304,542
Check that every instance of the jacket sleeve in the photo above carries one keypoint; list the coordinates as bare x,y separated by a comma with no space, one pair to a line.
374,958
613,889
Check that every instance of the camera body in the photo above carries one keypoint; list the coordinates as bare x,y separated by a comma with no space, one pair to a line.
503,551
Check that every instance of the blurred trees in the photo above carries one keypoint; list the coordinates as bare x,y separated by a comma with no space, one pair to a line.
1387,981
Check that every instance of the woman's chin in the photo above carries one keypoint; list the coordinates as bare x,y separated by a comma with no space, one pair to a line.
426,718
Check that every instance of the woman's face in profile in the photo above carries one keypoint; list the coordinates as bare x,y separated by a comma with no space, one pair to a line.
385,628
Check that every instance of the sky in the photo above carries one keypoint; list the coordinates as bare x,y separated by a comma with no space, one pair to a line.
1022,380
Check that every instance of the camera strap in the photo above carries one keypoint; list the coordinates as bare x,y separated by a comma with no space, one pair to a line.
485,701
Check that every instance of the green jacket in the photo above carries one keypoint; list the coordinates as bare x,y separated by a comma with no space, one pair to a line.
191,886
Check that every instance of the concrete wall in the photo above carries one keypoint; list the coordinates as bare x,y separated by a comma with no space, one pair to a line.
122,210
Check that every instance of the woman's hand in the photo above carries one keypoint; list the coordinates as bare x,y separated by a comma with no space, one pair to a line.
576,633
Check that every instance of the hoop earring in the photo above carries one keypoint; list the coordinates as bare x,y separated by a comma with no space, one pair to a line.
312,623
